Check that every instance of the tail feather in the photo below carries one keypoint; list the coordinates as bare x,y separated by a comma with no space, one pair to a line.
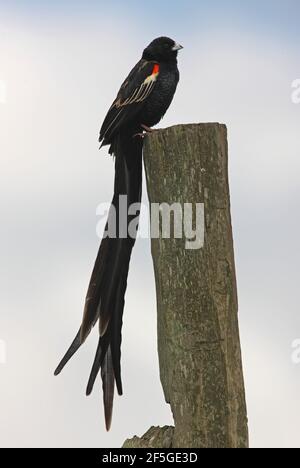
92,302
117,328
108,385
98,361
106,291
69,354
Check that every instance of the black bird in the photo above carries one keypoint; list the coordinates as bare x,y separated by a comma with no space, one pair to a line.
142,101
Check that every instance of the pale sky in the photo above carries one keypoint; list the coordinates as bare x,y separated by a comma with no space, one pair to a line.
61,64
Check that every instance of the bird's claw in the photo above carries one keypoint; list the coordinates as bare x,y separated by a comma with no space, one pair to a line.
141,135
147,129
144,133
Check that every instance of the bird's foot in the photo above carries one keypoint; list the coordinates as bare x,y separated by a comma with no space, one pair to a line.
140,135
147,129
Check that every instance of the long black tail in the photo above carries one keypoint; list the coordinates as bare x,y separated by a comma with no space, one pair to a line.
105,296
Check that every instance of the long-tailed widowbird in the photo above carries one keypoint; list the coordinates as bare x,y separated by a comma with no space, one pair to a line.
142,101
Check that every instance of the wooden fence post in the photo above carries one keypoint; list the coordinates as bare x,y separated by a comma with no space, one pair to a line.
198,335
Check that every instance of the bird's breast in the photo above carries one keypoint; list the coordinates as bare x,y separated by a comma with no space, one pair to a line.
161,97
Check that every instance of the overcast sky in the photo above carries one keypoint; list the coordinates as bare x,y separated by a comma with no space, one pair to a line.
61,64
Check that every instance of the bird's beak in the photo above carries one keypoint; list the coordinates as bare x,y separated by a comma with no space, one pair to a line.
177,46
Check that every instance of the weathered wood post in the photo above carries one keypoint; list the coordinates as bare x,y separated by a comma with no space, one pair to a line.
198,335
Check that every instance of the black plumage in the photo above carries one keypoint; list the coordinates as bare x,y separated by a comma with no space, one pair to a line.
143,99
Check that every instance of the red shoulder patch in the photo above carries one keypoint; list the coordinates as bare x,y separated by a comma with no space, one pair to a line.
155,69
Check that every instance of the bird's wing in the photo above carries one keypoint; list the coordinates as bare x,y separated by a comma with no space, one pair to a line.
130,99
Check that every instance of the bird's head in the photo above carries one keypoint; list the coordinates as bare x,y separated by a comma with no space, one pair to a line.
162,49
